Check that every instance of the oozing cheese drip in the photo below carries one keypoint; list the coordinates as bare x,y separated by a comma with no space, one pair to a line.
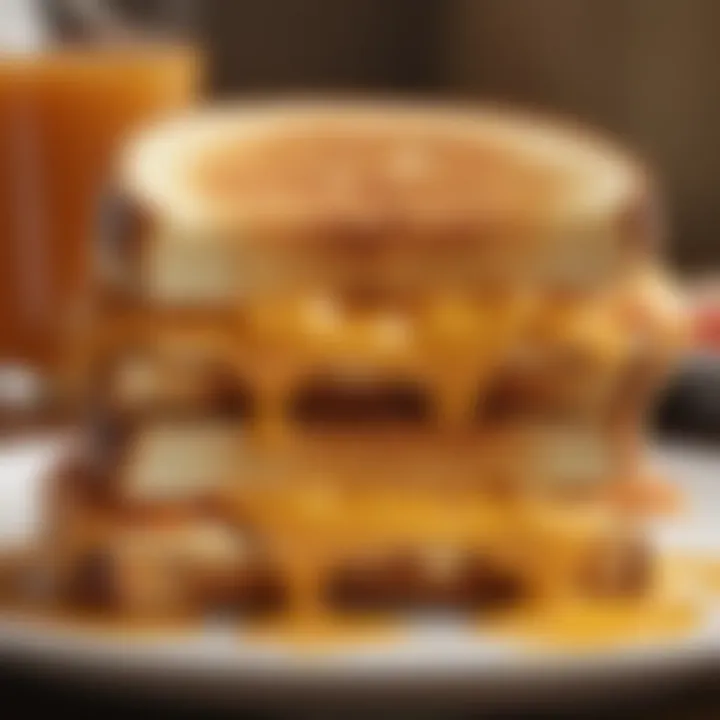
454,344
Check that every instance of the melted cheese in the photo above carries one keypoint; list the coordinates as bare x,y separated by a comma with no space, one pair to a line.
451,344
315,506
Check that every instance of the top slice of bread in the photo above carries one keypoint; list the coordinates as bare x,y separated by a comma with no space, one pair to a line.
394,174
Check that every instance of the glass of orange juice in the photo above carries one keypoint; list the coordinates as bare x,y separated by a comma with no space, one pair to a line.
64,111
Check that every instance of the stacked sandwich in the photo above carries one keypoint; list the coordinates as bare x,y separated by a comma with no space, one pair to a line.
353,357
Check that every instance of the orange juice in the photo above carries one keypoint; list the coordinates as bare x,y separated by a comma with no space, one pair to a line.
62,117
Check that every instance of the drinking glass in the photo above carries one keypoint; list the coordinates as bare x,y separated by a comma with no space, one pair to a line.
65,108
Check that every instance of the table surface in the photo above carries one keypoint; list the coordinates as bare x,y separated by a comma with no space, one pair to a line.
20,688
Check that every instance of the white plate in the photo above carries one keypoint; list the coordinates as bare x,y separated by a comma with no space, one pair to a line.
429,659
